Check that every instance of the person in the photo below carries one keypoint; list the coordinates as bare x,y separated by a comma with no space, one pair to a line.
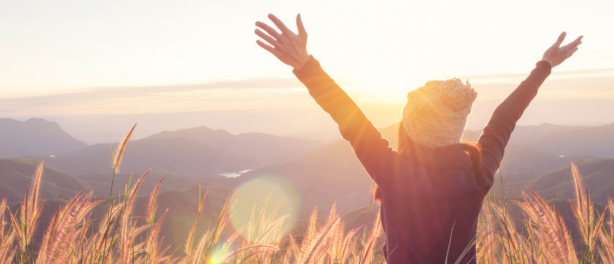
432,187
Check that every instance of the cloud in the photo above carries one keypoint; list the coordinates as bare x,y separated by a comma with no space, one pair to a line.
514,77
97,93
279,93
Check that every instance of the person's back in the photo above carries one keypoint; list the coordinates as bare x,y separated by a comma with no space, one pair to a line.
432,188
423,226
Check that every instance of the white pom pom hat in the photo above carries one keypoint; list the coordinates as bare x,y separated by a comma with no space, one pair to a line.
435,114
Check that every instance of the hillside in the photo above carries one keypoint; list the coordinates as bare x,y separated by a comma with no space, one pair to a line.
16,177
100,184
264,148
34,137
321,178
597,174
162,155
363,216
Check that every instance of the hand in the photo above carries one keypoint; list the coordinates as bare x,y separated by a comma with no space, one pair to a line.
288,47
556,54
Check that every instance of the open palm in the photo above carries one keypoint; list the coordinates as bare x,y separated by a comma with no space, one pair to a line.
556,54
288,47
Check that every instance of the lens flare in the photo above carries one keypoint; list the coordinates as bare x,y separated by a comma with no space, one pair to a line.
255,203
218,256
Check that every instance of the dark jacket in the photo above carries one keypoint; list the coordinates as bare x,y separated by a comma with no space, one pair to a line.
428,201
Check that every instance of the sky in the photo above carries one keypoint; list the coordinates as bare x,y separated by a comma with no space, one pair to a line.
129,57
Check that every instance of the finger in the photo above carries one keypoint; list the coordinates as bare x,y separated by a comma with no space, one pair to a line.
571,52
301,28
280,25
268,48
267,38
560,39
272,32
578,41
574,43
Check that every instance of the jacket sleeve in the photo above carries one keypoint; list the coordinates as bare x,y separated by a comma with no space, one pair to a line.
373,151
497,132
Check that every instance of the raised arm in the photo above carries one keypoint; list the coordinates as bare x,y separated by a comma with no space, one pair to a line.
497,132
372,150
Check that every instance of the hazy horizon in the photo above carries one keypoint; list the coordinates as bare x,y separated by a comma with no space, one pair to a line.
282,107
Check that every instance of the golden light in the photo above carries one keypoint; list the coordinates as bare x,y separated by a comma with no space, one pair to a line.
260,202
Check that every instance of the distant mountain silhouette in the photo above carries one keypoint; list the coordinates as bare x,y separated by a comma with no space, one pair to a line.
162,155
263,148
594,141
530,134
34,137
307,123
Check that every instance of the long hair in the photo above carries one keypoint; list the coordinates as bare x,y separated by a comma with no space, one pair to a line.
473,150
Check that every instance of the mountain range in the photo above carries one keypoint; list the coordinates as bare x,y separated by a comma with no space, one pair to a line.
191,152
178,156
202,151
263,148
34,137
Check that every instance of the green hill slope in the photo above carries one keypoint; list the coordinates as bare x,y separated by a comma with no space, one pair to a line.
597,175
16,178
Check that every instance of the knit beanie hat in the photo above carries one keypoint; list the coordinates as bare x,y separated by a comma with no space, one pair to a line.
435,114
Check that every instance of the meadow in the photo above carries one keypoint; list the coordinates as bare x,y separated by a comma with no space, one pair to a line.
123,236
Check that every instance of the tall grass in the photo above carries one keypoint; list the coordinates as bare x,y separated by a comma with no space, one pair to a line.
545,237
120,238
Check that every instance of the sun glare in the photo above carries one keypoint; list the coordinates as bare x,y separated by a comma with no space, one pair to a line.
262,199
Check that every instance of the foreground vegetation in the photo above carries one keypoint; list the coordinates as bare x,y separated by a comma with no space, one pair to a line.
125,238
72,236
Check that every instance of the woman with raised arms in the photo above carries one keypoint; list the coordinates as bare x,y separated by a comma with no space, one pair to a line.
431,188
